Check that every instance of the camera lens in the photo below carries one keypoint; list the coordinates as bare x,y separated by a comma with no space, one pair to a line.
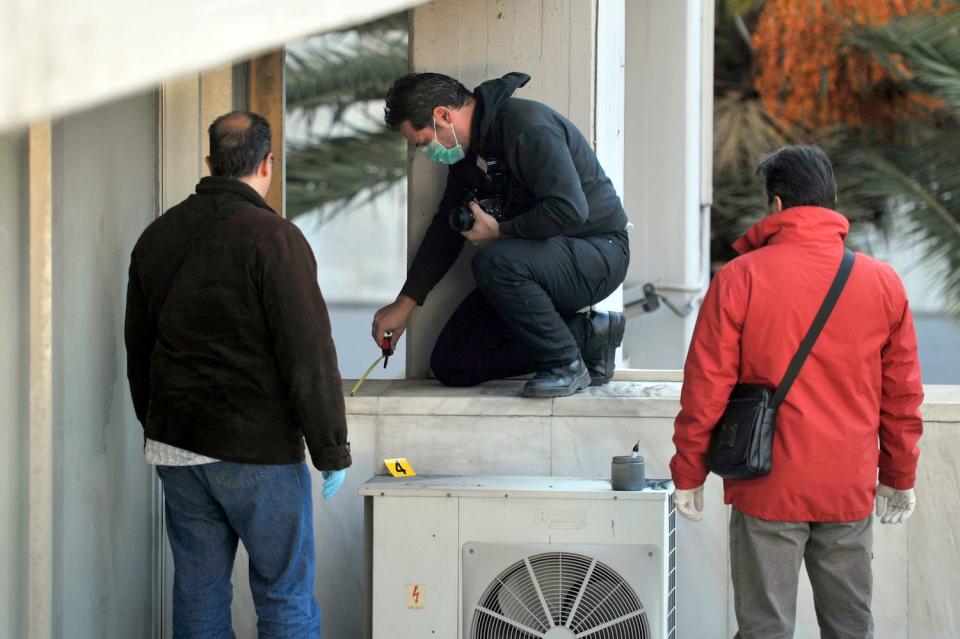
461,219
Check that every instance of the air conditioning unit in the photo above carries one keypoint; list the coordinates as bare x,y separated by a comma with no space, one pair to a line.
520,558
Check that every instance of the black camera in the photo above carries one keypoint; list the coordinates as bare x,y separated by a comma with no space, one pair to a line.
461,217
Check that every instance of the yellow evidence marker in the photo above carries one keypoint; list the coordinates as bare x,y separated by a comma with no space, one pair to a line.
399,467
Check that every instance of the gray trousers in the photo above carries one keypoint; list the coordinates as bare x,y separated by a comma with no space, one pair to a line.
765,559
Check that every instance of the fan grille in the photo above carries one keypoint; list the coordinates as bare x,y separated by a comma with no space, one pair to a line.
559,590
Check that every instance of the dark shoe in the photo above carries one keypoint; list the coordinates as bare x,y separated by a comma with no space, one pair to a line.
600,353
559,381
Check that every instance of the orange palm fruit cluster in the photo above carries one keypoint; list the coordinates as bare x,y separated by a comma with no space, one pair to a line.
809,77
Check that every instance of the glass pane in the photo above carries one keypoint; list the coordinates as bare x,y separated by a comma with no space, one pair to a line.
346,177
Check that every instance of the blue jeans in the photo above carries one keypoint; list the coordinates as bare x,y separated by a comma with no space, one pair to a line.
209,507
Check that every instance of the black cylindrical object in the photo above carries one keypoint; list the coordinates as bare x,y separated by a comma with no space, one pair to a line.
461,219
627,473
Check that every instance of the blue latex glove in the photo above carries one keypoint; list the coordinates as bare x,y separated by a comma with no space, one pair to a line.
332,481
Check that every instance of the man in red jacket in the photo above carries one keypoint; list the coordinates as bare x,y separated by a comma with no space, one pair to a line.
853,409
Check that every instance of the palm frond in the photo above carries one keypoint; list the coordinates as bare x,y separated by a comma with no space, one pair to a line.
733,47
921,50
389,24
339,169
323,77
919,184
913,172
338,78
743,131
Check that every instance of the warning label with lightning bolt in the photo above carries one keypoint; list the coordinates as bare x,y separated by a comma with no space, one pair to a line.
414,596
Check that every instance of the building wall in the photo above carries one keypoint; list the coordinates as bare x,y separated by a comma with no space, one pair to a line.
13,383
104,194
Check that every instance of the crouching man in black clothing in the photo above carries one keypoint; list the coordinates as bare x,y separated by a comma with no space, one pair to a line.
526,188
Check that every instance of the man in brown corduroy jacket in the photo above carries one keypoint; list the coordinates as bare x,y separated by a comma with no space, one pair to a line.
231,367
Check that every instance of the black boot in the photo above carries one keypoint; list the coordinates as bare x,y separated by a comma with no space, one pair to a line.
559,381
600,350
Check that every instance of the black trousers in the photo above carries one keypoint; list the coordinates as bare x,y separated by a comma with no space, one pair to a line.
522,317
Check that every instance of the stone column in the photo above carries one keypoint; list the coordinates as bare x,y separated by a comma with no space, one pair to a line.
668,124
609,121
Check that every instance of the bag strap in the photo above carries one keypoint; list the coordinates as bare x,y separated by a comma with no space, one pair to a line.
223,213
846,265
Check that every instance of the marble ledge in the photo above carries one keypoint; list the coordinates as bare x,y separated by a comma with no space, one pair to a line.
649,398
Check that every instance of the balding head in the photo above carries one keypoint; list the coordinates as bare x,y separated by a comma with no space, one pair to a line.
239,142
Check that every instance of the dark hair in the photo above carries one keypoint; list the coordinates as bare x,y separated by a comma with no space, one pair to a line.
414,97
800,176
239,141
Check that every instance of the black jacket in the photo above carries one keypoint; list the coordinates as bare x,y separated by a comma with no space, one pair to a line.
554,186
240,364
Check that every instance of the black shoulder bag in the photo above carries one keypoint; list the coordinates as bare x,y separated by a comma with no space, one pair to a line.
741,445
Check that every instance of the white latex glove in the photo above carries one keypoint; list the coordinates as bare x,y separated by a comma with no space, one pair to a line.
894,506
690,502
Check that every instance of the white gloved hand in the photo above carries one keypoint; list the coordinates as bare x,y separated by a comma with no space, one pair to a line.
690,502
894,506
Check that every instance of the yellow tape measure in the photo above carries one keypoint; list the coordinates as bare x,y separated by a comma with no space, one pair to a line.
399,467
363,377
386,351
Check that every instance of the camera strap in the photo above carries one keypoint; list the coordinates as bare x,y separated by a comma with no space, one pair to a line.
494,172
